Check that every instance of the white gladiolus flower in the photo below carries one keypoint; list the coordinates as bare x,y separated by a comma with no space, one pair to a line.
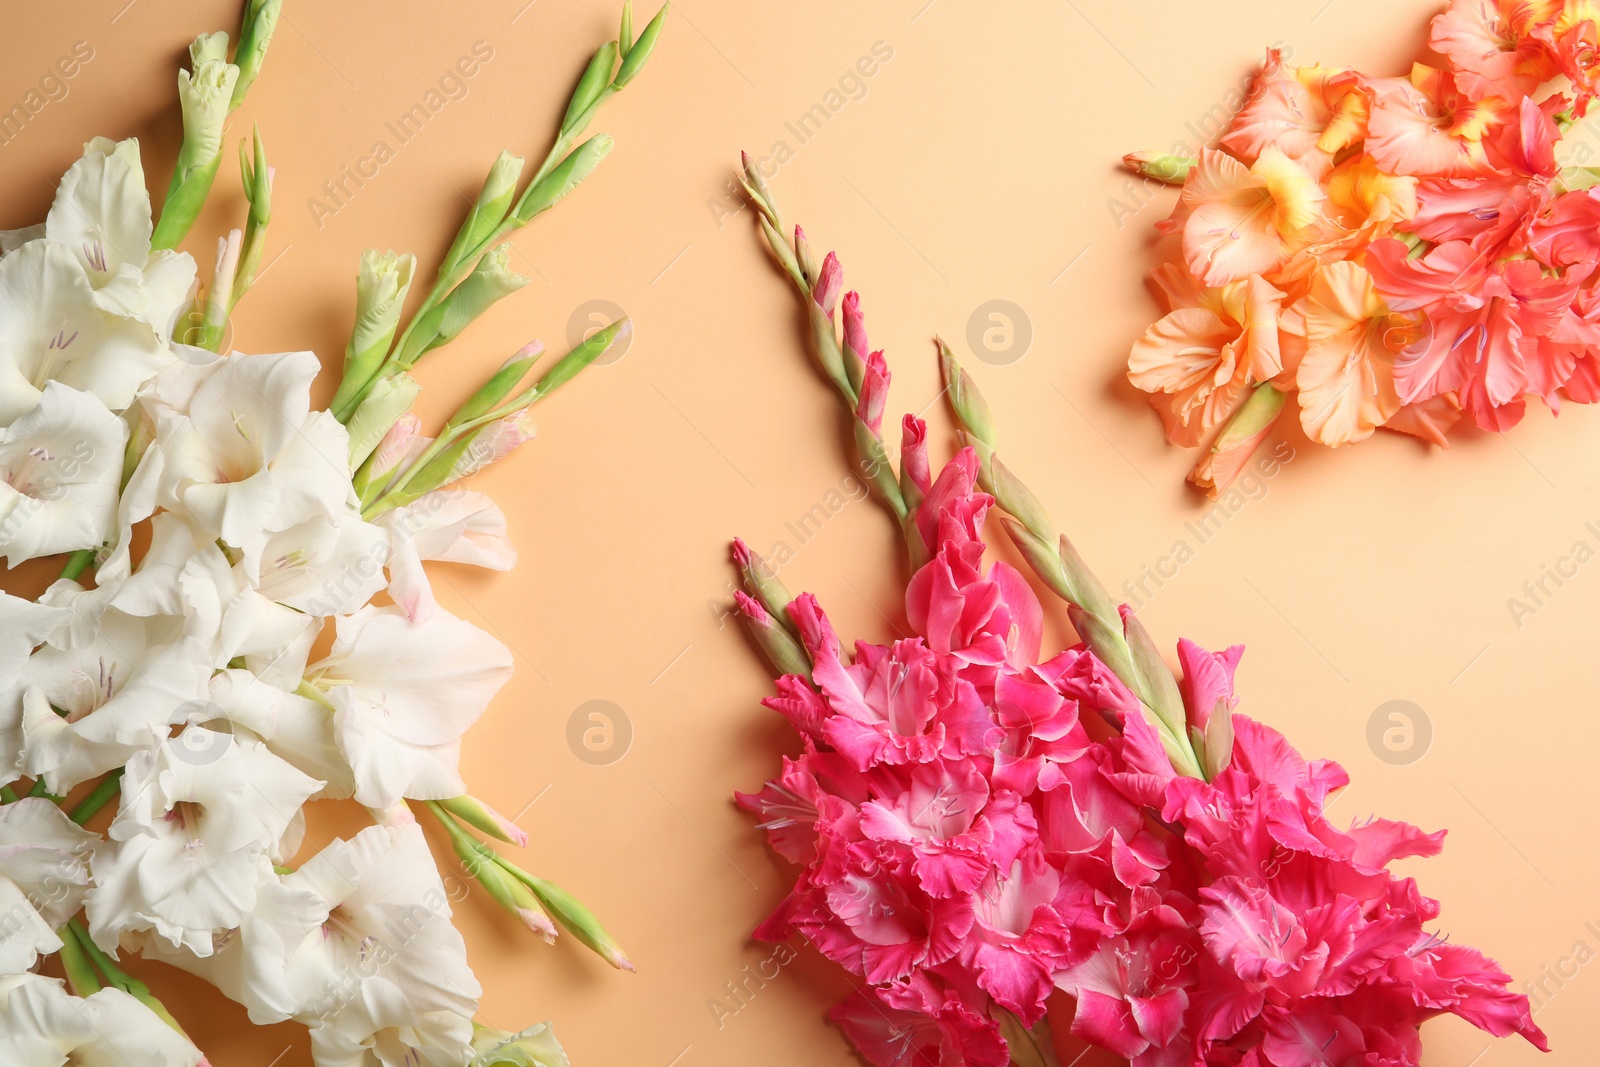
42,1025
200,813
23,627
51,329
251,457
185,573
295,728
387,972
406,690
43,878
450,525
324,566
102,216
358,944
60,465
11,240
116,688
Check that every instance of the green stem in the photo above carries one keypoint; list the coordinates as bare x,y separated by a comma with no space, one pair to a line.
109,787
7,795
118,978
81,975
77,563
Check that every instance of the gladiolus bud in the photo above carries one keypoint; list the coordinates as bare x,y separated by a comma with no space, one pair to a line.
589,349
488,211
473,452
564,177
255,34
220,293
499,386
967,403
591,88
480,861
915,477
475,813
205,95
639,51
489,281
855,327
802,255
579,920
874,393
534,1047
257,178
777,644
761,578
393,451
826,291
388,399
1174,170
1243,434
381,287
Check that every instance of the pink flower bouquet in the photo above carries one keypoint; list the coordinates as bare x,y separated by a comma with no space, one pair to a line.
978,824
1397,252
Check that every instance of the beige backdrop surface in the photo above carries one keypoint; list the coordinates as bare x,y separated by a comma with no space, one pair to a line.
975,164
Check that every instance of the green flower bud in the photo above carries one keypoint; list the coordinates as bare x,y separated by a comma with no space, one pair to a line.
564,177
475,813
592,89
1174,170
257,178
639,53
499,386
534,1047
381,287
388,399
488,211
971,410
204,95
571,913
208,48
491,280
255,34
480,861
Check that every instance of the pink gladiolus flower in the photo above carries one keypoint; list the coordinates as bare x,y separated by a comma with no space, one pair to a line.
966,847
996,842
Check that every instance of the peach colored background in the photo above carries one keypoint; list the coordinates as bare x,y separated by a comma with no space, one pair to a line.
978,165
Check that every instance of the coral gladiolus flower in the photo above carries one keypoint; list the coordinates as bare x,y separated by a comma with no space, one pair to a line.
1207,351
1238,221
1427,126
1496,46
1346,378
1302,111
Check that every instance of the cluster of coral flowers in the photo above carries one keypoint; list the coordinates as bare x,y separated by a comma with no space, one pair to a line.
1395,252
259,632
978,825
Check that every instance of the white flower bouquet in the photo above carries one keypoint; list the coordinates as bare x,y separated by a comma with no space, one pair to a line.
225,525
